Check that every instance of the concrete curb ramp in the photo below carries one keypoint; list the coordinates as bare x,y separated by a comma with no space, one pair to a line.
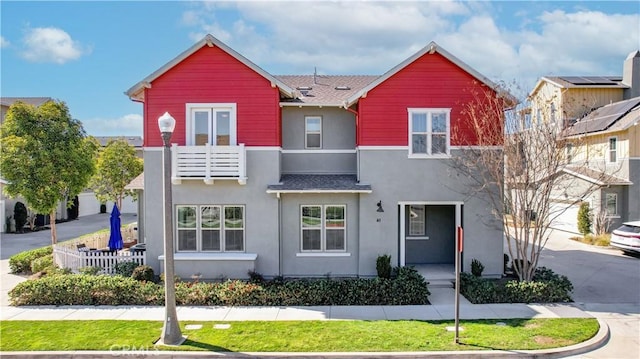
150,352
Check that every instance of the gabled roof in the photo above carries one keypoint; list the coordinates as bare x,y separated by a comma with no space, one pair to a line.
35,101
321,90
431,48
136,92
567,82
617,116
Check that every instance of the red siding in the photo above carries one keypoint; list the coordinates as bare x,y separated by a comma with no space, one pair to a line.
210,75
431,81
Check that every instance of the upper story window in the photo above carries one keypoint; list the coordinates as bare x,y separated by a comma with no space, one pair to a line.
429,132
212,123
612,155
323,228
568,147
313,132
210,228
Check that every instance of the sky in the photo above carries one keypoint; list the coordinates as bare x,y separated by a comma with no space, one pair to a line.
88,53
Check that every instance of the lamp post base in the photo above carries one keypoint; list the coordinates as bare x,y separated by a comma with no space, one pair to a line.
161,342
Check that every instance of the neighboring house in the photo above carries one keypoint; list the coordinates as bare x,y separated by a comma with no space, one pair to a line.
565,99
89,204
597,114
311,175
608,141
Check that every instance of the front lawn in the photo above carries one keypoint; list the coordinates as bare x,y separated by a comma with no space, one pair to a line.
299,336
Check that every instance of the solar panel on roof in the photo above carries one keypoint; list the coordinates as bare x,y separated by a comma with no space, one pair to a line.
599,80
603,117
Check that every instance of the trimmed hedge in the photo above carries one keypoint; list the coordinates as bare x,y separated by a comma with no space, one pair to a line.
546,287
22,262
409,287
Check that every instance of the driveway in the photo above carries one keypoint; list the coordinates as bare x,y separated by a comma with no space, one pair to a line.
11,243
606,285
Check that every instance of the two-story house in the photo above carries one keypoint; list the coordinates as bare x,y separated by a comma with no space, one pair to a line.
598,118
311,175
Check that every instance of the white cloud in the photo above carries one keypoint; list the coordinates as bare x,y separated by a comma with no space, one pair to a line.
4,42
50,44
127,125
372,37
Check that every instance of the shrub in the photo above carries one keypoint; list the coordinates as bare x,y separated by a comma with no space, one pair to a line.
125,269
20,215
476,268
546,287
518,264
90,270
255,277
409,287
383,266
143,274
584,219
21,262
42,263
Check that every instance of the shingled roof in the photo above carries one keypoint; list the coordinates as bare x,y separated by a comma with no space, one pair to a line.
324,90
318,184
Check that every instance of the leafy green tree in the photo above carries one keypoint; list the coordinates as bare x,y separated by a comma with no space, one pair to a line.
45,156
584,219
117,165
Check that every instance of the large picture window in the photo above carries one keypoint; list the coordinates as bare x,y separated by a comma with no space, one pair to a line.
211,123
210,228
429,132
323,228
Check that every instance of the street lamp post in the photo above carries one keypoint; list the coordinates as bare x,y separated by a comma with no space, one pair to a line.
171,334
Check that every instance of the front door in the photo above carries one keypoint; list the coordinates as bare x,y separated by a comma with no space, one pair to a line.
429,234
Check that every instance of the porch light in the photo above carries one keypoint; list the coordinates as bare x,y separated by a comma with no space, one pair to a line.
380,206
166,123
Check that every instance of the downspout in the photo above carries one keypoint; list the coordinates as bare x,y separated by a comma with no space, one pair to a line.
357,116
279,234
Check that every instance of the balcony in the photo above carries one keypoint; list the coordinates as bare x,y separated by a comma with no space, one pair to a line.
208,163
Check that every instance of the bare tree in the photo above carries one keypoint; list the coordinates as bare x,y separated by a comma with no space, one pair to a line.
525,161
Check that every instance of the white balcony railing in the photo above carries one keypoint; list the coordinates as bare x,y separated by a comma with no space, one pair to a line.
208,163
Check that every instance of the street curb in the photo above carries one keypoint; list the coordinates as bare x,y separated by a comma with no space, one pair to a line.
601,337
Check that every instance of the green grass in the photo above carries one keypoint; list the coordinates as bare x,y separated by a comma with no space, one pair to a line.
299,336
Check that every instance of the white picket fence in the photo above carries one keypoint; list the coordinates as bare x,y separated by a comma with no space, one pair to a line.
72,258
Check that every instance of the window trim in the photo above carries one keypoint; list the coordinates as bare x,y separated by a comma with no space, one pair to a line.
307,132
423,219
606,204
429,133
221,228
614,151
323,229
233,121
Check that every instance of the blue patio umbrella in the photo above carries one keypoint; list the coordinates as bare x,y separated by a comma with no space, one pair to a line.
115,238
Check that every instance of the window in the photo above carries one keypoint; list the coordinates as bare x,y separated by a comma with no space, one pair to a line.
429,132
213,124
613,149
417,224
611,204
569,151
313,132
323,228
210,228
